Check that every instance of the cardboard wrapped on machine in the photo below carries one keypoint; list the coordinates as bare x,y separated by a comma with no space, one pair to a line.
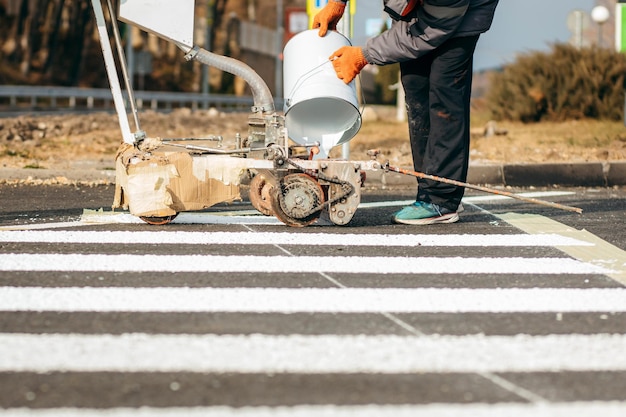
162,183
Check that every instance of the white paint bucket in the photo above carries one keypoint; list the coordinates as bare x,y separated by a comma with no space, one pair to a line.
320,109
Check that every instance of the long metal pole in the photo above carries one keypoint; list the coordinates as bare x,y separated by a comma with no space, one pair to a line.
578,31
600,40
280,31
345,28
481,188
109,64
207,45
130,55
122,60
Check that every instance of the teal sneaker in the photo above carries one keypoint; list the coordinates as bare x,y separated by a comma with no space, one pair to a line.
421,213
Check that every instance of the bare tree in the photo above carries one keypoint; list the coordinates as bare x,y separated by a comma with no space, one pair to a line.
53,42
51,33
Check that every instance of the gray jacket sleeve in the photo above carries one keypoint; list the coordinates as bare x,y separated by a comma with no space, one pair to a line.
428,27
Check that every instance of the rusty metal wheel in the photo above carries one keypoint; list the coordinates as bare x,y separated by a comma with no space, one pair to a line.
158,220
295,198
260,194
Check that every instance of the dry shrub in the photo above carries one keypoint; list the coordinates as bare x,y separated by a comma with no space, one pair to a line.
563,84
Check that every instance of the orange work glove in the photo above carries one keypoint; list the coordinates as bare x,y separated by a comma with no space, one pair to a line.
348,62
328,17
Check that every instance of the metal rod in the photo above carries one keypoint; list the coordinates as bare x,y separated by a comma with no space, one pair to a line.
111,69
120,53
210,138
481,188
280,33
210,150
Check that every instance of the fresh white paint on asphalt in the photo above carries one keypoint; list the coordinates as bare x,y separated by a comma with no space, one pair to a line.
39,226
473,199
230,218
294,264
240,217
497,197
326,300
572,409
285,238
310,354
91,217
247,216
600,253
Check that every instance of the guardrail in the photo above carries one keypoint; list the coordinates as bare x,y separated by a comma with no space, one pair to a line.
34,98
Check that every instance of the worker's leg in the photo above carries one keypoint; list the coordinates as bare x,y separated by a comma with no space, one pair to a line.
445,150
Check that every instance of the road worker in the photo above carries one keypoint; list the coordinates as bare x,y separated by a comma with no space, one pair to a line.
434,42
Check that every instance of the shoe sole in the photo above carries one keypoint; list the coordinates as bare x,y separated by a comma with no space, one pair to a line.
446,218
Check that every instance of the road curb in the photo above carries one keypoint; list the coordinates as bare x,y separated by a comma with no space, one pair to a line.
616,174
586,174
544,175
486,174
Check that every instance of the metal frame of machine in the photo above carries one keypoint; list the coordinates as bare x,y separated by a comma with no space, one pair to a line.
157,179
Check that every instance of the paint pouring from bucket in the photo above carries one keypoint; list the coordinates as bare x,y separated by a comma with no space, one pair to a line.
320,109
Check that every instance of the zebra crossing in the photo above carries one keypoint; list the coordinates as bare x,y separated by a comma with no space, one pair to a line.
260,322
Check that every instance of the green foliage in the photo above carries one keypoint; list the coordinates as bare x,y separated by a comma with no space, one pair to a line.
564,84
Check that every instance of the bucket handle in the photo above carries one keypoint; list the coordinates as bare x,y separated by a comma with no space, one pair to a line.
309,74
303,78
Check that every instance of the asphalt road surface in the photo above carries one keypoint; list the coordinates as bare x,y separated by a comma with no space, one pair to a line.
517,310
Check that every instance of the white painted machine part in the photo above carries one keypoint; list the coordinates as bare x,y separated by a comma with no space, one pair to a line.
172,20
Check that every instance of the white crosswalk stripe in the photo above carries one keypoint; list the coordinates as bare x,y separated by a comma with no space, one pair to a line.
282,238
314,300
300,264
309,354
604,409
495,368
